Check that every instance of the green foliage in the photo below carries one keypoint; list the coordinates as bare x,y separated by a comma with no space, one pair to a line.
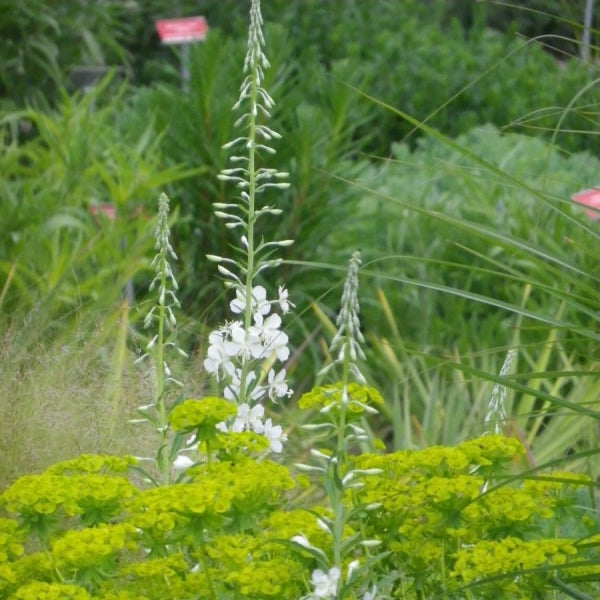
455,82
227,529
421,57
54,249
458,522
198,123
560,22
448,529
437,219
474,247
43,41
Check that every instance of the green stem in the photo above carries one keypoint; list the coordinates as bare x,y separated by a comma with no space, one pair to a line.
251,216
337,500
209,580
161,409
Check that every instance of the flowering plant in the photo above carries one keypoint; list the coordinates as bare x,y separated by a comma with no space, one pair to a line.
239,350
223,521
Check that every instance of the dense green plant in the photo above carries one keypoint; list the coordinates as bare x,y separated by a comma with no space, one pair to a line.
58,246
436,216
82,530
542,258
464,81
559,23
316,156
44,41
456,247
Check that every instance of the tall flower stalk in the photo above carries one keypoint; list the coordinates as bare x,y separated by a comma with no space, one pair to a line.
342,406
239,350
162,317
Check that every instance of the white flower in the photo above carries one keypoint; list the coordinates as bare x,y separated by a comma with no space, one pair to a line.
248,418
284,302
217,359
302,540
351,568
181,463
275,435
273,340
242,343
277,386
326,584
259,303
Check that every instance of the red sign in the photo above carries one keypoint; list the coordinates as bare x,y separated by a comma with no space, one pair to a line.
181,31
108,210
591,199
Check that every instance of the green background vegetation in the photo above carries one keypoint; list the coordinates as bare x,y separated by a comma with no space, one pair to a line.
444,139
471,244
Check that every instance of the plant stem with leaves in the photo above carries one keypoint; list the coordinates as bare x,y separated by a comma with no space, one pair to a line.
239,349
341,404
162,315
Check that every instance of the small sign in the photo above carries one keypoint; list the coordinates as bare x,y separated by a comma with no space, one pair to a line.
107,210
591,199
181,31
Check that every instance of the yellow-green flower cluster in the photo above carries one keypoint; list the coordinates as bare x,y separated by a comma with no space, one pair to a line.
201,417
432,504
41,494
588,571
39,590
253,485
236,446
10,540
36,566
164,515
284,525
91,547
234,550
96,497
260,565
10,549
510,556
160,568
486,450
276,578
93,463
492,450
159,578
326,395
166,578
506,507
123,595
217,490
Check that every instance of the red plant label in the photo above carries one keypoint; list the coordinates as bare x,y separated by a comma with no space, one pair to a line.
181,31
108,210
